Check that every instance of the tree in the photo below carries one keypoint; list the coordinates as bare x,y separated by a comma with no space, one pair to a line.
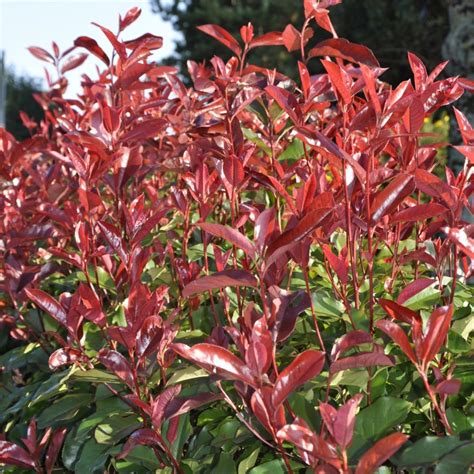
388,27
458,48
19,97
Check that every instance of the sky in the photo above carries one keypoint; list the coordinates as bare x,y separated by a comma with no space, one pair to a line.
26,23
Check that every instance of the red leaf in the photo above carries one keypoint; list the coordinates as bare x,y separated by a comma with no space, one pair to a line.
53,449
399,312
231,235
216,359
341,48
398,336
49,304
321,207
144,130
131,16
391,196
41,54
117,45
414,116
286,101
147,41
13,455
273,38
340,423
449,387
336,75
114,239
180,406
419,71
380,452
362,360
223,36
413,289
349,340
337,264
231,277
73,62
116,362
144,436
304,367
435,187
418,213
92,46
291,38
161,402
436,332
462,240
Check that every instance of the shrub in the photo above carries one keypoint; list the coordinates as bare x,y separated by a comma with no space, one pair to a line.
246,275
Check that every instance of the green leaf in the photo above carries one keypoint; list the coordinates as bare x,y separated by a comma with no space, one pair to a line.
226,464
64,409
277,466
427,451
459,421
95,376
375,421
457,462
424,299
294,151
457,344
92,458
246,464
115,428
189,373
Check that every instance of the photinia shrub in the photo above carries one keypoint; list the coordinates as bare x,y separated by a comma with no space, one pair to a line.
251,274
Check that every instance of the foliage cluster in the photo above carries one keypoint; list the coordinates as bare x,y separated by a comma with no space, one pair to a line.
250,274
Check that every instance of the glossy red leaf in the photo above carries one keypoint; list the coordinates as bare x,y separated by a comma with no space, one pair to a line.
54,448
340,423
73,62
216,359
321,207
147,41
180,406
144,130
449,387
92,46
273,38
337,264
462,240
231,277
435,187
391,196
114,239
291,38
129,17
413,289
418,213
223,36
286,101
230,235
362,360
304,367
398,336
399,312
49,304
348,341
144,436
337,78
13,455
380,452
116,363
41,54
161,402
436,331
419,71
341,48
